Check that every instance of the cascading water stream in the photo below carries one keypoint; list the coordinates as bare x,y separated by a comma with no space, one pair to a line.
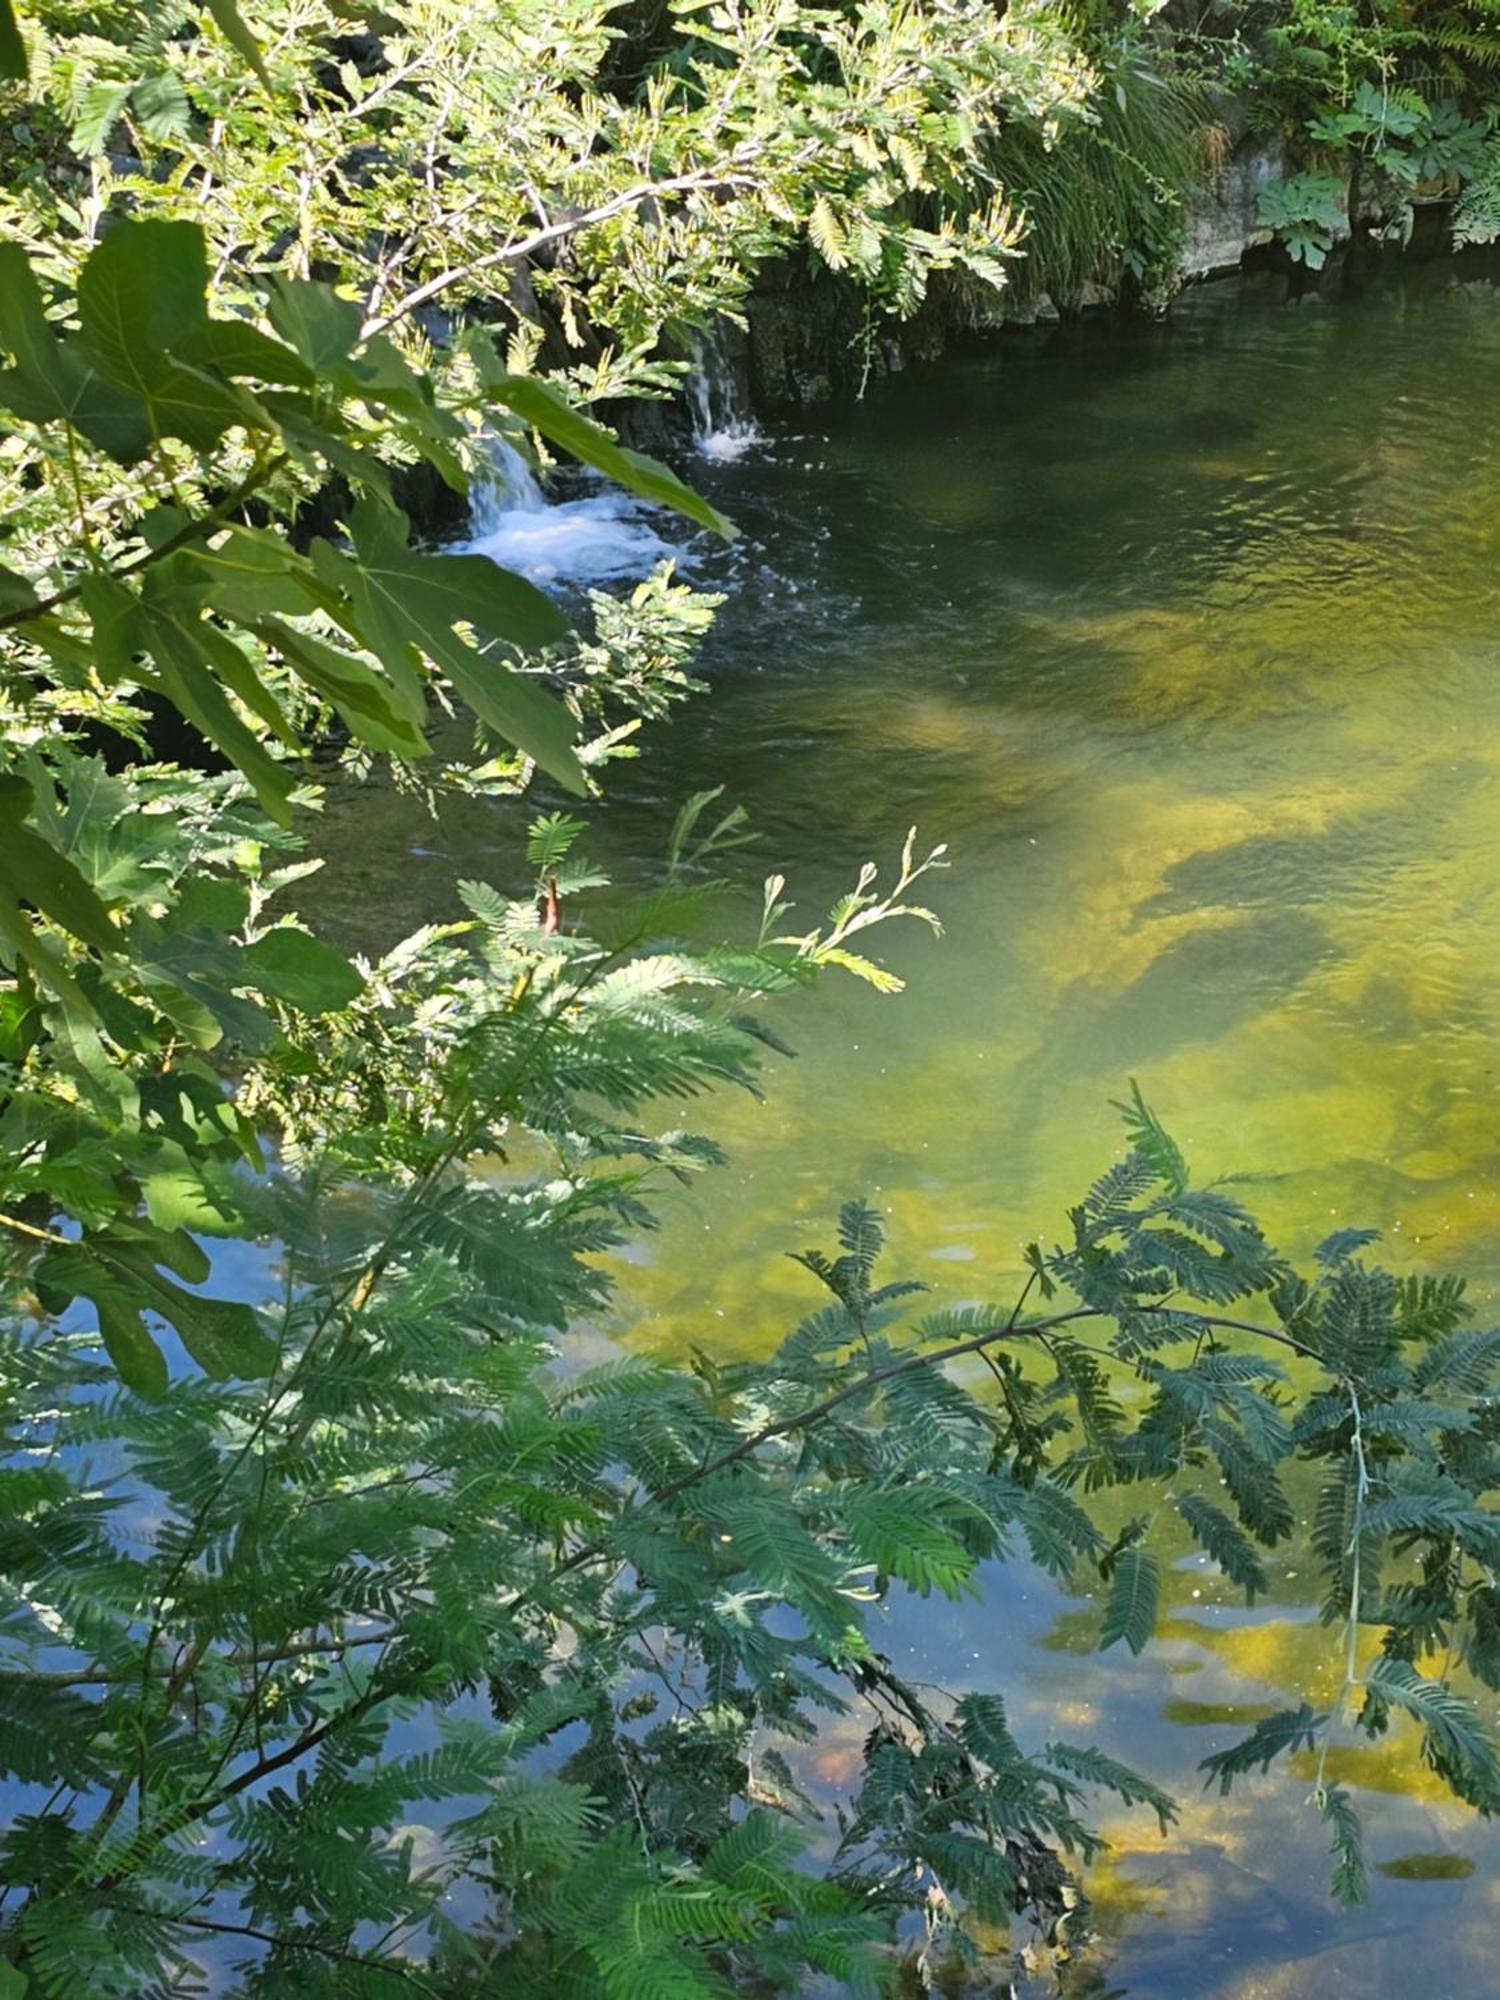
586,540
504,485
721,428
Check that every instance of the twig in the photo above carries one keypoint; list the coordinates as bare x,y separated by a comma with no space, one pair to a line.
260,472
908,1365
1351,1650
103,1677
397,1967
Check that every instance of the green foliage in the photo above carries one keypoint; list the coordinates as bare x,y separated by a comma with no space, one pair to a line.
1307,212
1476,219
637,167
1102,190
1134,1587
334,1600
1350,1879
418,1500
237,628
1414,142
1399,102
1272,1737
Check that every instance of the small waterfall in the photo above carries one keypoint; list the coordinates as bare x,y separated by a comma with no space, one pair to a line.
599,535
721,428
503,484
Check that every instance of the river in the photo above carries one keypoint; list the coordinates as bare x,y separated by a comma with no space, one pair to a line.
1183,638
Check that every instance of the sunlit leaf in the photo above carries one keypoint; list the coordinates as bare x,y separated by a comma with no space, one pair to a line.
538,404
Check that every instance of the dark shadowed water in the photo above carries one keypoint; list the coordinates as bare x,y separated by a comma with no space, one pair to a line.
1185,640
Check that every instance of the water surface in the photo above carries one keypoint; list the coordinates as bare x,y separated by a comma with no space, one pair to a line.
1184,639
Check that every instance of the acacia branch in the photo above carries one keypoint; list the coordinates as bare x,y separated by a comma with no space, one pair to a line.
218,1928
263,1767
957,1350
1354,1550
108,1677
704,180
909,1364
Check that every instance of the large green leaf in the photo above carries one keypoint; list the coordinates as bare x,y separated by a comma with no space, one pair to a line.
448,589
224,1337
142,289
16,594
215,903
232,27
235,347
119,627
34,872
202,968
102,1081
381,376
142,1365
25,944
318,323
54,381
371,705
24,332
250,572
13,64
312,439
113,845
298,968
189,669
540,406
380,373
401,600
20,1022
237,671
179,1197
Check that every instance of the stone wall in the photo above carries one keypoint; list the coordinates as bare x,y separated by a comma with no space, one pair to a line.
1220,224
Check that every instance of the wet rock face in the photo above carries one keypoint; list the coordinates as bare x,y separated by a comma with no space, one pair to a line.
811,337
1222,223
799,327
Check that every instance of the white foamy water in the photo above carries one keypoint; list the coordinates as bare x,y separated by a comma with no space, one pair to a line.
588,540
721,429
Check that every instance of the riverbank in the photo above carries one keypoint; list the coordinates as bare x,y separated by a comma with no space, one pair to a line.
809,337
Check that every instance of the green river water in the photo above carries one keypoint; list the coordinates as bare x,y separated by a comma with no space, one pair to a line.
1185,640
